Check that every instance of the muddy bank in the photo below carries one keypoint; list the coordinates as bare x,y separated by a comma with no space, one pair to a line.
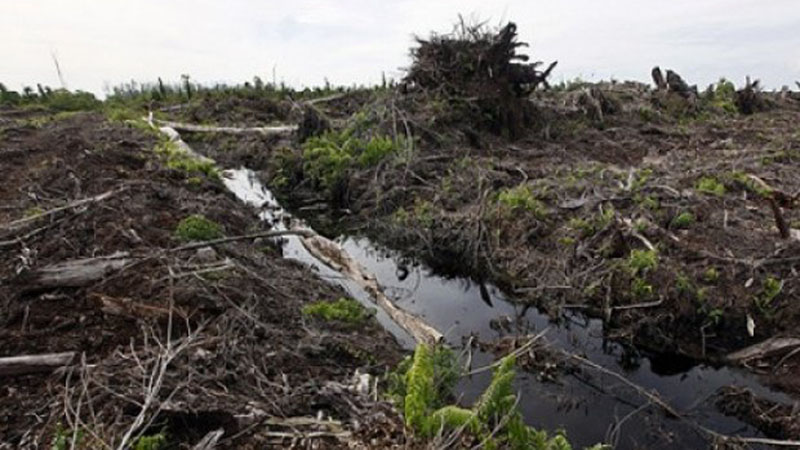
217,334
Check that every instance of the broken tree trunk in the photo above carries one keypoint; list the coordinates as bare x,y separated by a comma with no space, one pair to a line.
75,273
23,365
335,257
275,130
770,347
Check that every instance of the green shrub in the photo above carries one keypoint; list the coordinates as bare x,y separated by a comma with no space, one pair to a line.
683,220
344,310
327,158
179,159
197,228
724,96
521,198
710,185
641,289
642,261
493,419
711,275
770,290
152,442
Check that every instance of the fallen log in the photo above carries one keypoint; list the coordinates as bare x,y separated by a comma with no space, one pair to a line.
74,273
336,258
23,365
267,131
770,347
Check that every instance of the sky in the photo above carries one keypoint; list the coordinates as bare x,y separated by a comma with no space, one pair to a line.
102,43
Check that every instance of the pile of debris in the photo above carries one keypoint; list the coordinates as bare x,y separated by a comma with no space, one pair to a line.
478,71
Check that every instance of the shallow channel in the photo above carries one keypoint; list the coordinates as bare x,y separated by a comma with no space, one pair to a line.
589,406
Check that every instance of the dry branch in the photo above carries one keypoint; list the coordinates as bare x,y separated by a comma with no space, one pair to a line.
74,204
22,365
763,349
267,131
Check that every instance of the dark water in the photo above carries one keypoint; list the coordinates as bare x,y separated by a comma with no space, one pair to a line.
592,408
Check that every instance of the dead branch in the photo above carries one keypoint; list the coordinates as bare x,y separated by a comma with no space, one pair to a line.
22,365
267,131
74,204
764,349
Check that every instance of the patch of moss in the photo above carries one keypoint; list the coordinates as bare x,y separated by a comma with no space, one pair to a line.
710,185
197,228
521,198
642,261
345,310
151,442
178,159
683,220
770,289
711,275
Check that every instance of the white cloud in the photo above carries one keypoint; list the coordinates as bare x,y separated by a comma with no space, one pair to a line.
351,41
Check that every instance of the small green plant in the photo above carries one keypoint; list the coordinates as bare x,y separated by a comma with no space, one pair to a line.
770,290
521,198
583,226
724,96
647,202
493,419
197,228
64,438
345,310
328,158
641,289
684,285
640,179
151,442
641,262
749,184
711,275
683,220
710,185
178,159
33,211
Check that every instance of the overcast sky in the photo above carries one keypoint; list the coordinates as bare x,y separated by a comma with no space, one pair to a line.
106,42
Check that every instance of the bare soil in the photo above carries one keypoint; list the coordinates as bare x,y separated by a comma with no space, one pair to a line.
235,353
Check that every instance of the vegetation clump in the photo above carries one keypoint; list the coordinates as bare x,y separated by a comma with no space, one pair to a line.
197,228
642,261
345,310
179,159
328,158
770,290
683,220
710,185
521,198
493,419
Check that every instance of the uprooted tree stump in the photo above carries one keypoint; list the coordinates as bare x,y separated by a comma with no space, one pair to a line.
480,75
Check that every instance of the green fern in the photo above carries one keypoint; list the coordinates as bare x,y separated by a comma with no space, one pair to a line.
419,387
498,399
450,418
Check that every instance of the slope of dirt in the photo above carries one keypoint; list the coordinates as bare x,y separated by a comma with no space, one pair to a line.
180,343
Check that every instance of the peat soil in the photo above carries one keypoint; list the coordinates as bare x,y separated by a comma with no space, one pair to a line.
633,206
177,342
